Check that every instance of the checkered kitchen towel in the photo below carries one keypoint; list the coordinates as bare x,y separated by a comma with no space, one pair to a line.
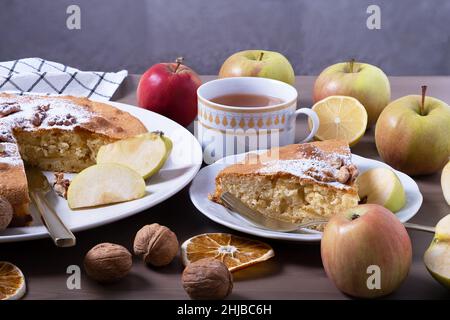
36,75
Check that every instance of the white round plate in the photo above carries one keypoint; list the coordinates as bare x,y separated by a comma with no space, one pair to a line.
181,167
204,184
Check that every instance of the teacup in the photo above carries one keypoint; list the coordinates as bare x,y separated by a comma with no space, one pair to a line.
226,129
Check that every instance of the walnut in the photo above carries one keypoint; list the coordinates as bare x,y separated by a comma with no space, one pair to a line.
44,108
353,172
6,213
61,185
38,117
107,262
343,175
8,108
336,163
67,120
347,174
6,136
207,279
156,244
324,176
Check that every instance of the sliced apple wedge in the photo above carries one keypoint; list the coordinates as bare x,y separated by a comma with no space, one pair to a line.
105,183
145,153
381,186
445,182
437,256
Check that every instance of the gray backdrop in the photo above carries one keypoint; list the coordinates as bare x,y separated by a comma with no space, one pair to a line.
134,34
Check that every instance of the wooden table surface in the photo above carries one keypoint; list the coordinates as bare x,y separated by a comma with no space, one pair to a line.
295,273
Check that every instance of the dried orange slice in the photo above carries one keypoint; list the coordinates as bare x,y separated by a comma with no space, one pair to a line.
12,282
236,252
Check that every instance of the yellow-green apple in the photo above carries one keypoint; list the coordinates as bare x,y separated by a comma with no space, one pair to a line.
365,82
413,134
381,186
145,153
105,183
437,256
366,251
170,89
445,182
258,63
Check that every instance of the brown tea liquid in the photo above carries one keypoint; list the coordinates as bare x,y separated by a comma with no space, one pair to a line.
246,100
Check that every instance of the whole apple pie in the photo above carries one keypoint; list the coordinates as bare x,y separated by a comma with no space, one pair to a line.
295,183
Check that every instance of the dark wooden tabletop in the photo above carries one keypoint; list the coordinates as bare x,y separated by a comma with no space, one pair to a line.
294,273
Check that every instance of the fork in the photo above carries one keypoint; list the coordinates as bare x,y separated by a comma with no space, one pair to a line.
264,222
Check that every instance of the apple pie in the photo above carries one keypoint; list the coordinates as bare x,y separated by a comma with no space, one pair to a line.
295,183
53,133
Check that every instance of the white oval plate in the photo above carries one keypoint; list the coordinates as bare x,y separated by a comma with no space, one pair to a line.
204,184
181,167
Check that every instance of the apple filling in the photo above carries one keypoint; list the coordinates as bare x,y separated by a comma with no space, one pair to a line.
67,151
286,198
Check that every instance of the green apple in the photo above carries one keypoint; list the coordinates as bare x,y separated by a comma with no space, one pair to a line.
145,153
105,183
381,186
258,63
437,256
365,82
412,134
445,182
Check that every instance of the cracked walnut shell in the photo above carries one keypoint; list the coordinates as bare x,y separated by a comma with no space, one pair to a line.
107,262
156,244
207,279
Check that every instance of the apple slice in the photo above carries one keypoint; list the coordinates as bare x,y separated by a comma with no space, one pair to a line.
445,182
104,184
381,186
437,256
145,153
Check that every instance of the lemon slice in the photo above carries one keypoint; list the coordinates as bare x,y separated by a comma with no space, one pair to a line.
342,118
235,252
12,282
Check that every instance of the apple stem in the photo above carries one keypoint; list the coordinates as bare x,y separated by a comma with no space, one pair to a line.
422,105
261,56
354,216
178,61
351,64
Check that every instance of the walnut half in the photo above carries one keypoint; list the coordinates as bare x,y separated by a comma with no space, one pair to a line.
347,174
8,108
61,185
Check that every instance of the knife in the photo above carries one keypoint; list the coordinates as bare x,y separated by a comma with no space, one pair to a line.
39,187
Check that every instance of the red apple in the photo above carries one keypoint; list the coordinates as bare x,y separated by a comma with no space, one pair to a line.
170,89
356,240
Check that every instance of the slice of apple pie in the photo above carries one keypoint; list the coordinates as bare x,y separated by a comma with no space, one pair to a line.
296,183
